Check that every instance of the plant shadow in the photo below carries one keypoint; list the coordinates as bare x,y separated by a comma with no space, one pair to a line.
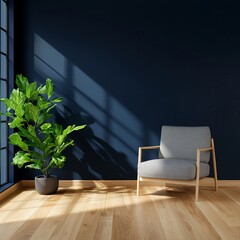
92,157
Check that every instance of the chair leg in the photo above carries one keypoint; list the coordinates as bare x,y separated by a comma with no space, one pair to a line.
138,186
197,191
214,166
197,176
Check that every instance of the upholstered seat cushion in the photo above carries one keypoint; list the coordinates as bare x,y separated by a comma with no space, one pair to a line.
178,169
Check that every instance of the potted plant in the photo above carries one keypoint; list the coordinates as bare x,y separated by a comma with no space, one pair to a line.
39,139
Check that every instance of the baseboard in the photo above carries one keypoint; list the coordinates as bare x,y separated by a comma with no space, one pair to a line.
106,183
128,183
87,183
6,193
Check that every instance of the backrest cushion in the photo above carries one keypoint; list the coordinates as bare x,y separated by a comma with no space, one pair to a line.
183,142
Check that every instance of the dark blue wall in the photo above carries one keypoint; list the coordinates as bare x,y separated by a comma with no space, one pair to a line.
127,68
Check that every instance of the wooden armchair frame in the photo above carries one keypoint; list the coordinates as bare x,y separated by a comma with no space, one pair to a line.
195,182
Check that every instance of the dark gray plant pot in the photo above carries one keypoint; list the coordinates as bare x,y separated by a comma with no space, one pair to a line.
45,185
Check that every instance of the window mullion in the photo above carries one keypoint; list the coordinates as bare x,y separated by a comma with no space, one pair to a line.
4,83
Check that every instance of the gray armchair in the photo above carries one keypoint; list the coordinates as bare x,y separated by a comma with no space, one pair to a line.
184,156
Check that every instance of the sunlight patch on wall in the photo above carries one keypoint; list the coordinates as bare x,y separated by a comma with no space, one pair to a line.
48,61
112,122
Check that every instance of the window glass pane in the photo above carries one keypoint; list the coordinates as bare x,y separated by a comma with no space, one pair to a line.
3,42
3,167
3,15
3,67
3,91
3,110
3,141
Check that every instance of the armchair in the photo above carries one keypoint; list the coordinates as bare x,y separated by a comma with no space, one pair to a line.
184,156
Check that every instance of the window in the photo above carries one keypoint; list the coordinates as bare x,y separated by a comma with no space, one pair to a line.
5,83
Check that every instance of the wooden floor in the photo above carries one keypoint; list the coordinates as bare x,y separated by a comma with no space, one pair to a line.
117,213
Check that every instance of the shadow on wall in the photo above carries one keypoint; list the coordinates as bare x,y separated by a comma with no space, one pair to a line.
107,148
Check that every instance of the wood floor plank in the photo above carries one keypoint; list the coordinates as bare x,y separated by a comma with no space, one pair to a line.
144,218
170,223
92,213
121,217
54,216
104,230
14,214
72,219
31,225
113,201
194,222
116,213
232,193
213,208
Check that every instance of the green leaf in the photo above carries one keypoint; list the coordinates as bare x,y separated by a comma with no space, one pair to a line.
36,155
31,130
49,88
46,128
32,140
33,144
58,161
50,108
21,158
25,133
57,129
19,111
79,127
56,100
31,112
17,97
68,130
15,139
49,148
72,128
16,123
43,117
59,140
36,165
64,146
31,91
22,82
8,114
49,140
42,103
41,89
9,103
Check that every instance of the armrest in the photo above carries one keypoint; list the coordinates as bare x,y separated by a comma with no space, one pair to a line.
145,148
204,149
149,147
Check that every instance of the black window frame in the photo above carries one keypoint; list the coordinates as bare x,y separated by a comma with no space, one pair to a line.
6,53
